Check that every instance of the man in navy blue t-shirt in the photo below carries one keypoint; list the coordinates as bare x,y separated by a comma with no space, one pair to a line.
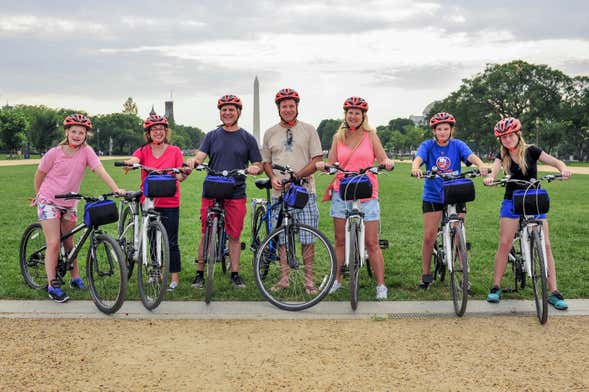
228,147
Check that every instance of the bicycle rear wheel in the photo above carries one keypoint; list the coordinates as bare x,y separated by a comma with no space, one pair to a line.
210,257
438,259
107,274
294,273
153,275
126,239
459,275
258,228
354,266
32,256
539,277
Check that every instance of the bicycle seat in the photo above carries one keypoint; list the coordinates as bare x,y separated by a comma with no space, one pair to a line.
130,196
264,183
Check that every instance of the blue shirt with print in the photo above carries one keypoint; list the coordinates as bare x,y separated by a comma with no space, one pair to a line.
445,159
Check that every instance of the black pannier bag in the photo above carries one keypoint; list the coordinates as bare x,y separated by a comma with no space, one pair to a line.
458,191
218,187
530,202
160,185
354,188
296,196
100,212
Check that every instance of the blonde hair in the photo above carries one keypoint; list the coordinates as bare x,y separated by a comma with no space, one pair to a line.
66,142
340,134
521,153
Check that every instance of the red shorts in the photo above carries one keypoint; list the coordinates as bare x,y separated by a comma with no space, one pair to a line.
235,210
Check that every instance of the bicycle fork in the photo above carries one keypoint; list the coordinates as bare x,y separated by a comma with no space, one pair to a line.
353,223
526,247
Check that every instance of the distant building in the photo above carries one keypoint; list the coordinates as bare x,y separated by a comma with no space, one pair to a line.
170,110
257,110
422,120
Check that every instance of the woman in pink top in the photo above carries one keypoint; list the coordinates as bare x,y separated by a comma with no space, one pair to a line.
356,146
61,171
158,154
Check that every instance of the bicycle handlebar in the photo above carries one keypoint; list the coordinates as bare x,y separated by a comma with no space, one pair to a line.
332,169
431,174
78,196
224,173
134,166
531,182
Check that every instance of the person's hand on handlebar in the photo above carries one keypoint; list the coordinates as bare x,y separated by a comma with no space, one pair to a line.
388,164
416,172
320,166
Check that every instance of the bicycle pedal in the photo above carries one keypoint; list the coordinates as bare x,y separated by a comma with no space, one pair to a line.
383,244
242,245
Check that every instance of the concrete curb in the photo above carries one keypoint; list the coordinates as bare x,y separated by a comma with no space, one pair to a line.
326,310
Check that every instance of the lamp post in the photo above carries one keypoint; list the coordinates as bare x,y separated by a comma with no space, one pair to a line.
98,140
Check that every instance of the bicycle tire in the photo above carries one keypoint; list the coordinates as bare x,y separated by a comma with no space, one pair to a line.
126,232
222,249
439,266
106,273
153,277
459,273
257,227
268,269
539,277
32,256
211,255
354,267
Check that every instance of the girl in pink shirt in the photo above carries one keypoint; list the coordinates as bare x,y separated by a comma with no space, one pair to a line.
61,171
158,154
356,146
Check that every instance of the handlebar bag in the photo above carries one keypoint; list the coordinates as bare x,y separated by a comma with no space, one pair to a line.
530,201
458,191
296,196
356,187
102,212
159,185
218,187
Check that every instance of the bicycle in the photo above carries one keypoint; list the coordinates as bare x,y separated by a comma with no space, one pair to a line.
144,239
355,186
450,248
218,185
106,272
294,266
528,253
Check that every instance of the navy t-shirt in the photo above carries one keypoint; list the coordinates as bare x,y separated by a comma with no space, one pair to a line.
231,150
445,159
532,155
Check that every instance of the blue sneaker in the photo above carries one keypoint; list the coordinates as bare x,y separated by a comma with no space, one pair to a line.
77,283
57,294
494,295
557,300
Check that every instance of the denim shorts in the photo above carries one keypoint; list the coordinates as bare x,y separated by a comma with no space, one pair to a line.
371,208
507,211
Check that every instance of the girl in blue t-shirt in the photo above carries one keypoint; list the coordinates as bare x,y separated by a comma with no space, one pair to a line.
520,161
443,154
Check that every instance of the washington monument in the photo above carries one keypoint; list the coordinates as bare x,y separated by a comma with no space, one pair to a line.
257,110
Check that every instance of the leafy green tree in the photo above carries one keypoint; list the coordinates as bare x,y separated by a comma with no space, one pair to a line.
13,126
326,130
125,129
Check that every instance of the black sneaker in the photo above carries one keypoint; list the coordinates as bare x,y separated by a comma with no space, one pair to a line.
237,281
198,282
57,294
426,280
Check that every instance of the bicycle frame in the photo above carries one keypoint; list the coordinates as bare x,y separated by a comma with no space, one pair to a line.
450,218
529,227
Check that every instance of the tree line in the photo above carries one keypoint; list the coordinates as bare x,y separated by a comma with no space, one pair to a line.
553,108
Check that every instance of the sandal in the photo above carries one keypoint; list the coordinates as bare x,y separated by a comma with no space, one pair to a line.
279,286
311,289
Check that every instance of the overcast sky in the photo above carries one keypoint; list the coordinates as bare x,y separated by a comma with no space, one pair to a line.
399,55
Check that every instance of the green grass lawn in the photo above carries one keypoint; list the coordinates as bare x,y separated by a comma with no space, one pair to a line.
400,197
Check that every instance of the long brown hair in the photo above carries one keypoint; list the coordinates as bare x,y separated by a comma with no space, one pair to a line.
521,153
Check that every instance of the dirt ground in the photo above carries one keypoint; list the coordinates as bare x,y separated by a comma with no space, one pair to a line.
435,354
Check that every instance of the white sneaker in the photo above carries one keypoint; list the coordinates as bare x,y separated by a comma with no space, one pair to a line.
335,287
381,292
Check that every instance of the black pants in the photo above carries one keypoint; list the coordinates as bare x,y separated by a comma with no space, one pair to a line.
170,218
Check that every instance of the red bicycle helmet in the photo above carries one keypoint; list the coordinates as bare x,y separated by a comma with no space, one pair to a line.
154,119
286,93
229,99
441,118
356,103
77,119
506,126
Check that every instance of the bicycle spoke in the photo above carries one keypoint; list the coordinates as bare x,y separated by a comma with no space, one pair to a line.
153,274
459,283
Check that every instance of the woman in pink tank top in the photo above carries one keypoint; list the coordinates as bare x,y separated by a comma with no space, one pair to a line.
356,146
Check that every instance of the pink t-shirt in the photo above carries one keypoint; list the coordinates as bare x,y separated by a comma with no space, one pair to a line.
65,173
172,157
361,158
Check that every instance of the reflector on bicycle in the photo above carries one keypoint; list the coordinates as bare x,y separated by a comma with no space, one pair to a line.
458,191
218,187
530,201
101,212
356,187
296,196
159,185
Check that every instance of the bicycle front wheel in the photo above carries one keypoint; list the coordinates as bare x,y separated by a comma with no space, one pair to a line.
153,273
32,256
539,277
438,259
210,257
294,267
106,273
459,275
258,227
126,239
354,266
